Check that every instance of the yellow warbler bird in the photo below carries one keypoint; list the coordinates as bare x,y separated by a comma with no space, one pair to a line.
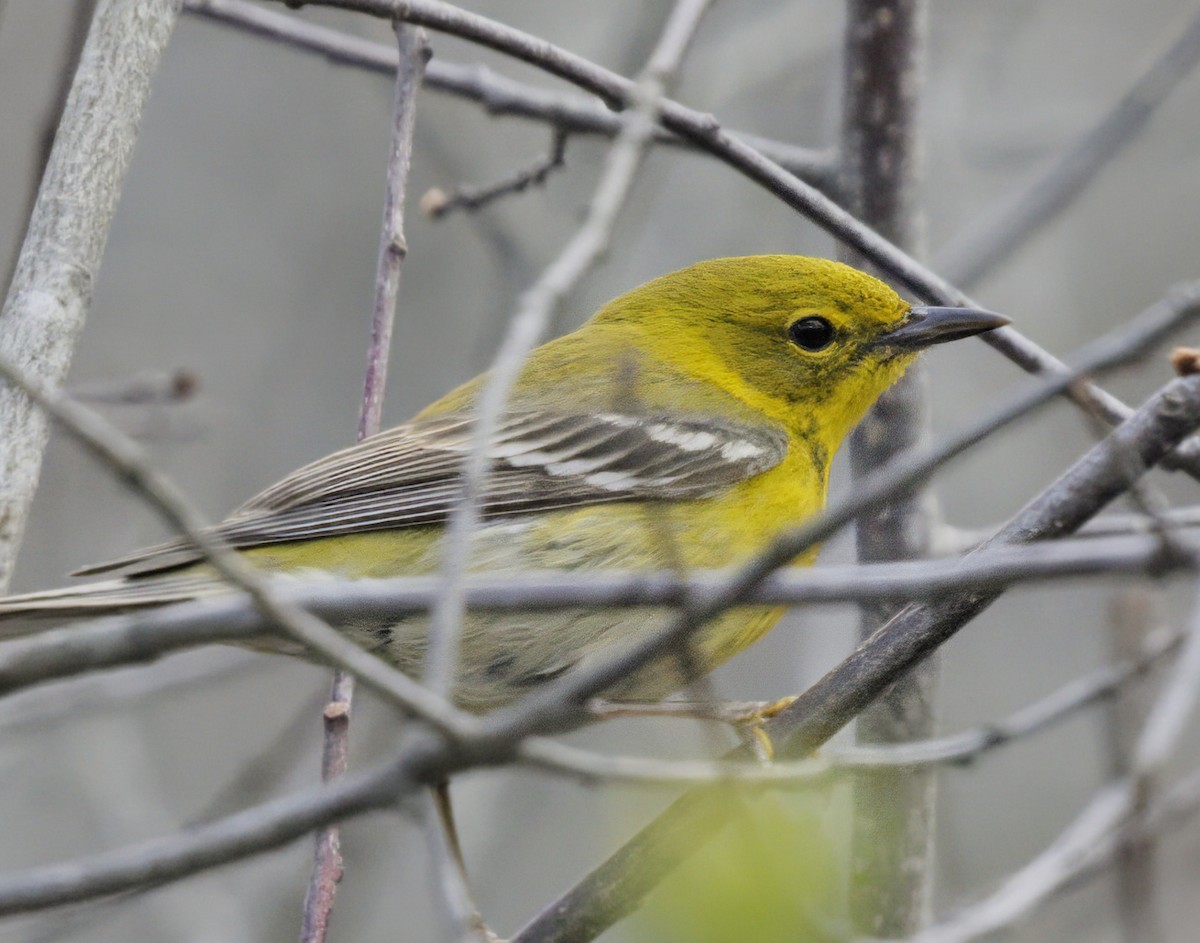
685,424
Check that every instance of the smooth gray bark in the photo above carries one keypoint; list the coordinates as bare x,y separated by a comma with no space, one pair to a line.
51,289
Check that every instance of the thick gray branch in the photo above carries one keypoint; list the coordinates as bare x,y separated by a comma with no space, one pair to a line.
891,857
51,290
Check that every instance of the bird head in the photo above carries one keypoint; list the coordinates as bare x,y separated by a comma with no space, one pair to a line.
807,341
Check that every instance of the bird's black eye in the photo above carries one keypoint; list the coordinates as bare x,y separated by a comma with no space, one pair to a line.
811,333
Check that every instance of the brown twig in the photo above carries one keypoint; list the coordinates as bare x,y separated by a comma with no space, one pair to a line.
437,203
413,54
328,867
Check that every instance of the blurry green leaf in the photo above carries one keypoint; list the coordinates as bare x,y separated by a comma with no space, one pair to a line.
774,875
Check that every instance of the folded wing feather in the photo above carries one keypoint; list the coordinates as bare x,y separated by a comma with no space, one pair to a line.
410,476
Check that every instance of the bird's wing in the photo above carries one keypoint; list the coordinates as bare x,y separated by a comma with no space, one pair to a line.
410,475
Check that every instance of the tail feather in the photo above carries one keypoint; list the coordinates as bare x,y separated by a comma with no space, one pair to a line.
30,612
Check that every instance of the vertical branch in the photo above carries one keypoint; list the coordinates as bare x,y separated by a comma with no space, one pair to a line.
536,309
80,19
1134,618
892,852
51,289
414,53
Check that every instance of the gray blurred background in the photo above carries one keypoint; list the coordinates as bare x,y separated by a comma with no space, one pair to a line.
244,251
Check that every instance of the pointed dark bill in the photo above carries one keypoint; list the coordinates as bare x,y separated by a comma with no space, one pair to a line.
926,326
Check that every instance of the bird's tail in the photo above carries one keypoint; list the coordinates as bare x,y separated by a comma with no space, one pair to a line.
33,612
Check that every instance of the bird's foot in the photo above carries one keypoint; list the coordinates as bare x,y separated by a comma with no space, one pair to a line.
745,717
751,720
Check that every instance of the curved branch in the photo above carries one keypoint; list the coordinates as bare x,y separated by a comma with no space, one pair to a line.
706,133
498,94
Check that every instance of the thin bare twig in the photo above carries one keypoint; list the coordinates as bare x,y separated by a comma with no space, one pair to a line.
1071,851
146,635
328,867
413,53
955,540
253,831
968,745
448,879
1179,802
965,747
1135,340
437,203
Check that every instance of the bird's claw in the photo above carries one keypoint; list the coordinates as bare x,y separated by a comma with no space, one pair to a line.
750,723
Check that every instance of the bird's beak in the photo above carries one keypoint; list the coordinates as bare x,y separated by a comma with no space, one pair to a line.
926,326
